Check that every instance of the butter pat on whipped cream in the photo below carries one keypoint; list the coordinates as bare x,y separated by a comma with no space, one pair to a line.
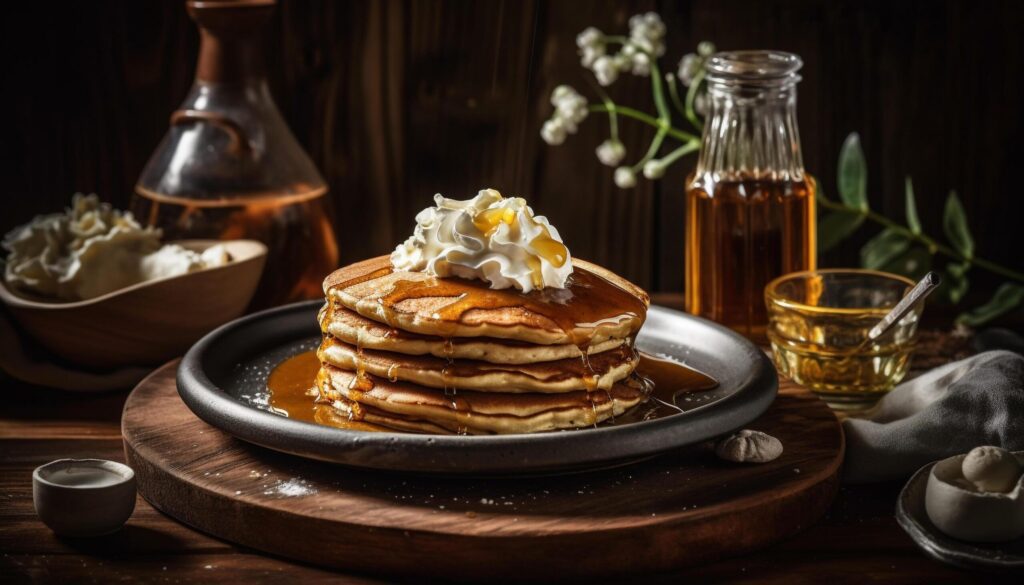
489,237
90,250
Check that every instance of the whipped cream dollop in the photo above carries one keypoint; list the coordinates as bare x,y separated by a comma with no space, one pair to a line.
91,249
489,237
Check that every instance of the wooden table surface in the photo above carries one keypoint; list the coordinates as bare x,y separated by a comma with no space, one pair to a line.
858,541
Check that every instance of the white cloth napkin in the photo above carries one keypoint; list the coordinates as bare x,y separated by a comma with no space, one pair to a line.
949,410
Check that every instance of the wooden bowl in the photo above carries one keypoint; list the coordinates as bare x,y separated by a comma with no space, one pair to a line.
147,323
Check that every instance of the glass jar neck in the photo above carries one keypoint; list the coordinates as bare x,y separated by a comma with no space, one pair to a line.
751,133
230,48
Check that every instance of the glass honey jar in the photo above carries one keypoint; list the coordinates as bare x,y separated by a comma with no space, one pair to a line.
749,202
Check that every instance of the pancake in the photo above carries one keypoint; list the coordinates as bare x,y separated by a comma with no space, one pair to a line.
596,306
602,371
478,412
352,328
343,413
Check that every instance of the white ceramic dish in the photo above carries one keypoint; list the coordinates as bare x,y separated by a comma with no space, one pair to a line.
147,323
83,497
962,512
913,518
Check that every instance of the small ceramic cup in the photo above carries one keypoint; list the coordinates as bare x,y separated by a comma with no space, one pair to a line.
83,497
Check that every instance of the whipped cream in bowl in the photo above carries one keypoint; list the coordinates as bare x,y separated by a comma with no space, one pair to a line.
491,238
90,250
97,290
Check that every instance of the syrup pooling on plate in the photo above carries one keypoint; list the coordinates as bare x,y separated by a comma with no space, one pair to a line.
666,381
292,388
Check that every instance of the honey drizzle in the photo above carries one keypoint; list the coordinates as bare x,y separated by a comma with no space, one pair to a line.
360,383
580,310
548,248
590,382
588,303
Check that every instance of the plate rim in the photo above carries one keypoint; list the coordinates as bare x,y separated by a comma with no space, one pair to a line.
216,407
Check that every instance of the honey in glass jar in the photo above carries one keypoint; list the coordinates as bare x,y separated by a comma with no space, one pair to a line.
750,204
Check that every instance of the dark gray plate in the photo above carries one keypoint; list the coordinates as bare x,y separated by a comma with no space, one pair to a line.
911,514
223,380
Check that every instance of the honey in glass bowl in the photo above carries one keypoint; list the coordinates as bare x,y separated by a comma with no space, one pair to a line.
817,324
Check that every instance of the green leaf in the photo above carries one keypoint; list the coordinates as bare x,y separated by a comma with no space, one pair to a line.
853,175
954,222
914,263
955,284
835,227
913,221
882,248
1007,297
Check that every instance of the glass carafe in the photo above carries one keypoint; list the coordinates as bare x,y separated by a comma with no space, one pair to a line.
230,168
750,205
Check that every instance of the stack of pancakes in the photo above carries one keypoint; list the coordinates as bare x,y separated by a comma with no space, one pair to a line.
409,351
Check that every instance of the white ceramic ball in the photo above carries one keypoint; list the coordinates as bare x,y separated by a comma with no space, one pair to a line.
991,469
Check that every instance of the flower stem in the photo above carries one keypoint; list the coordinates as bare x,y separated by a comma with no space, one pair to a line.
932,245
691,96
659,137
659,94
613,117
673,92
647,119
680,152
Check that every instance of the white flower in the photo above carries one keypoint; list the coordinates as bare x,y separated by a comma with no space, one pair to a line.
570,106
570,110
560,93
591,54
606,70
689,66
654,169
611,152
591,44
692,63
647,32
641,64
590,37
554,131
625,177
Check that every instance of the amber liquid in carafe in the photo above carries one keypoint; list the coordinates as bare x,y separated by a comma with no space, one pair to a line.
295,228
741,235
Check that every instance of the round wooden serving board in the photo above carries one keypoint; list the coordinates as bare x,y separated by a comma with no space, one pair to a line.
677,509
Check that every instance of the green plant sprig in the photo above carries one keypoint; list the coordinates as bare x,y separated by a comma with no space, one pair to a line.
906,248
655,123
663,122
901,248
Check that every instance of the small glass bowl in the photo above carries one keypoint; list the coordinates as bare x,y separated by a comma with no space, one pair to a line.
817,321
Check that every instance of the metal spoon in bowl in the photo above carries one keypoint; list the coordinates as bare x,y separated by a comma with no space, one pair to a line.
922,289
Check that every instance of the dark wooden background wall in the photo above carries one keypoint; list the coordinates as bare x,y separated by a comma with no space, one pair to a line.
397,100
